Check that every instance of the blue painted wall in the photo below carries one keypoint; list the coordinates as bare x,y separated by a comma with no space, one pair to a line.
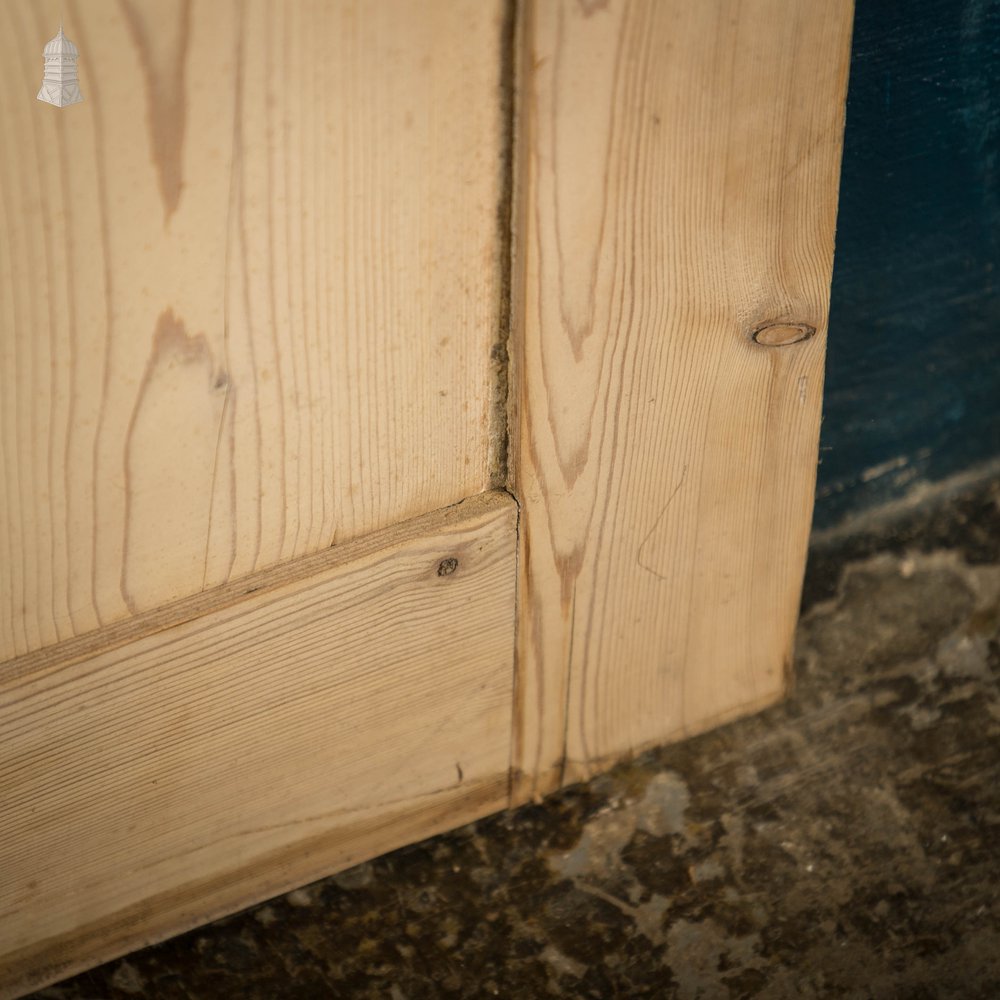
913,370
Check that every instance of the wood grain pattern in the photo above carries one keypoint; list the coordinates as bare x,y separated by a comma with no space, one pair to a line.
680,192
203,766
248,290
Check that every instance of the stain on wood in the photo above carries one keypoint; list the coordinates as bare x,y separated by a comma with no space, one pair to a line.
171,458
162,38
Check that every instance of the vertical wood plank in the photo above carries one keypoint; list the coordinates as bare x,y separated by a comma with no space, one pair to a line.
248,290
680,195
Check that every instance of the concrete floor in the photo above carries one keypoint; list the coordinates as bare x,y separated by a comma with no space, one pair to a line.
843,844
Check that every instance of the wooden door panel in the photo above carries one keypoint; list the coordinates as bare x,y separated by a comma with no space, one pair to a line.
264,608
249,289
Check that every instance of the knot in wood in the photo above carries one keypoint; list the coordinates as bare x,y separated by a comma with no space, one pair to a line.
447,566
782,334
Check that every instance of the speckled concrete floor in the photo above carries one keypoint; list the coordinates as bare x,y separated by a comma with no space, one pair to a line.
843,844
